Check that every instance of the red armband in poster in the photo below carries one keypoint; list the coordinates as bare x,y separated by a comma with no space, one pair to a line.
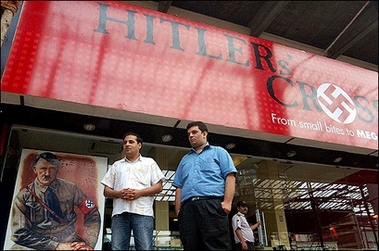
86,206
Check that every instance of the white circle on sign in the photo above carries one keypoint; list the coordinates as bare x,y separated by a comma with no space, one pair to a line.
336,103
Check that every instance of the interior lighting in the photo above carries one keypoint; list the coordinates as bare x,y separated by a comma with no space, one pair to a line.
337,160
291,154
230,146
89,127
166,138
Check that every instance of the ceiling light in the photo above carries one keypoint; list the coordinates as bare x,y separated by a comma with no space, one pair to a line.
337,160
230,146
89,127
291,154
166,138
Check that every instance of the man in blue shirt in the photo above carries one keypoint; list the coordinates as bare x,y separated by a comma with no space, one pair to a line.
205,184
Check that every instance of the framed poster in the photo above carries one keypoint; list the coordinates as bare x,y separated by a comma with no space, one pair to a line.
34,221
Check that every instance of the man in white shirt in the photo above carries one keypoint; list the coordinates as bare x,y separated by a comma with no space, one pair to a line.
242,230
132,183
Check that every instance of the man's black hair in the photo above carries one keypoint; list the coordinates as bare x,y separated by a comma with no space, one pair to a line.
49,157
202,126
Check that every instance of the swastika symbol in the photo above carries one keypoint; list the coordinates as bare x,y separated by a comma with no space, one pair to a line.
89,203
336,103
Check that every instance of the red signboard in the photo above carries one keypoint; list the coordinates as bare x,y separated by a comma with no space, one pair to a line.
120,56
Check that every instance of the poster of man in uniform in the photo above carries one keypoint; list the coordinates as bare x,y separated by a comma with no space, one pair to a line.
58,202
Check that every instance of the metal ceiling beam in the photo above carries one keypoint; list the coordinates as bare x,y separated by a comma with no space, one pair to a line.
350,34
265,16
163,6
335,51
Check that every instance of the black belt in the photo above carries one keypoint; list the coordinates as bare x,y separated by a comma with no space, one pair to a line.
196,198
239,244
248,242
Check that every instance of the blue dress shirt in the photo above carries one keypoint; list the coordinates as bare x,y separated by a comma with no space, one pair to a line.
204,173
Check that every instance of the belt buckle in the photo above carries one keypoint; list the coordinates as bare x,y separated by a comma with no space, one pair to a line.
195,198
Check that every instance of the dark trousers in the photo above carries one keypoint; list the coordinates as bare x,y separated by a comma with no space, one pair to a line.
250,246
203,225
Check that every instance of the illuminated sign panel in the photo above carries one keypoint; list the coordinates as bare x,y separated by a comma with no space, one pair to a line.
120,56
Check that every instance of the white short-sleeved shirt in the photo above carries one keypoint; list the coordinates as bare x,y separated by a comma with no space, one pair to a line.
239,221
142,173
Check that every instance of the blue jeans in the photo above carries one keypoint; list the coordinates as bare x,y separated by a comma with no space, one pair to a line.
142,226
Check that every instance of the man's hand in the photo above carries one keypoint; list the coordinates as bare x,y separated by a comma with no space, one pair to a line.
64,246
130,194
80,246
227,207
73,246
